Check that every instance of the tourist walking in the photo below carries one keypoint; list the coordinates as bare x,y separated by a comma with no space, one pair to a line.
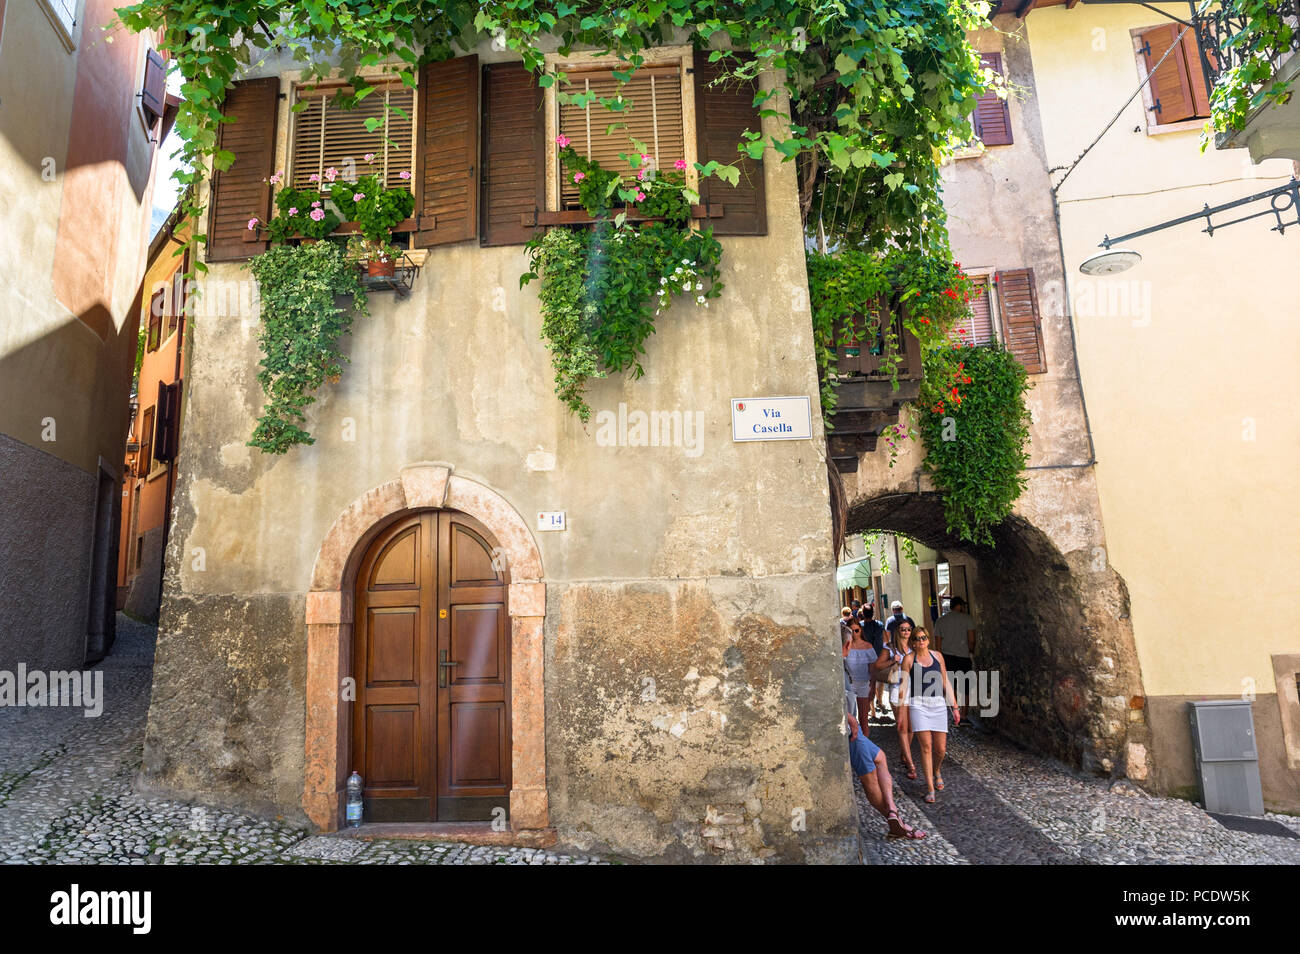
859,658
955,638
872,769
896,620
898,647
929,697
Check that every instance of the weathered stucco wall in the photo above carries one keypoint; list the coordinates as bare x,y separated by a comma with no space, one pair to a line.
1187,361
703,566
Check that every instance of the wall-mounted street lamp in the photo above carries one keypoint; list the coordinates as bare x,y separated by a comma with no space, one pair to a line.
1283,201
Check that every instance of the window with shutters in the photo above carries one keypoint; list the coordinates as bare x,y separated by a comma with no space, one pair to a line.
1176,97
63,15
328,135
152,98
653,117
978,328
146,444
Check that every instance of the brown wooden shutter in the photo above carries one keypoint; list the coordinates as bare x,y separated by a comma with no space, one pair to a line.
1171,88
514,154
157,305
992,118
242,192
1196,74
1022,329
153,95
164,432
978,325
722,113
446,152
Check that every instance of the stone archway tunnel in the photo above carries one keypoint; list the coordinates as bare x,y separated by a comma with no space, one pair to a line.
1054,628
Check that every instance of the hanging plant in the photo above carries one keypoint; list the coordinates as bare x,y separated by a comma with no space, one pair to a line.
603,287
302,324
975,424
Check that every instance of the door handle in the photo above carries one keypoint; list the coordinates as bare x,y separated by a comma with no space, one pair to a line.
443,665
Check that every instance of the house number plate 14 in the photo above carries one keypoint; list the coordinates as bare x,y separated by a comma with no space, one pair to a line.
551,520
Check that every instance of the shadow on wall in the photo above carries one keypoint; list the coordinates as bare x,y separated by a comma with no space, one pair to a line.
1052,626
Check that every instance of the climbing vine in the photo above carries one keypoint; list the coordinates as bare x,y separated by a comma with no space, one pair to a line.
975,425
853,292
301,328
602,288
877,90
1263,35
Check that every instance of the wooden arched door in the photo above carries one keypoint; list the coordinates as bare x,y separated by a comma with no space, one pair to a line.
431,656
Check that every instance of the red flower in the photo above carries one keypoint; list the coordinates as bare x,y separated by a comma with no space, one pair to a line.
951,293
924,321
954,391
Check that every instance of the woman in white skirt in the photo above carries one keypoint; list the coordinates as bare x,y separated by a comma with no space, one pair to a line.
929,697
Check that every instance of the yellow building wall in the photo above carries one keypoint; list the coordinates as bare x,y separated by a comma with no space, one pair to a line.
1187,361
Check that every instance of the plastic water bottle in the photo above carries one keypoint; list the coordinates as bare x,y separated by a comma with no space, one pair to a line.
354,800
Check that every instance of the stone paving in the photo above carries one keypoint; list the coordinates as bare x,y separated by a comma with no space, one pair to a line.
65,795
1002,805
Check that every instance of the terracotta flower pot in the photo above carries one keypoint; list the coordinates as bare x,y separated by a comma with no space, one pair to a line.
381,268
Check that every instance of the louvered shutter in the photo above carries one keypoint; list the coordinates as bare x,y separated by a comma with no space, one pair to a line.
446,187
157,305
654,119
1022,330
242,192
992,118
328,136
1196,74
153,95
162,424
977,327
1171,88
722,113
513,154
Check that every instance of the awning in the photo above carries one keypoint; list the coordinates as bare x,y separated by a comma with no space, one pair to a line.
857,573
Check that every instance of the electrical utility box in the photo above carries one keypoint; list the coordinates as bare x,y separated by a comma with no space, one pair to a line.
1227,761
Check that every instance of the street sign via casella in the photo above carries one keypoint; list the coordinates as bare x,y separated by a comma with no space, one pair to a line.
771,419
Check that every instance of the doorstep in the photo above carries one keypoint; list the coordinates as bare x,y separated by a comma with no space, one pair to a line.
469,833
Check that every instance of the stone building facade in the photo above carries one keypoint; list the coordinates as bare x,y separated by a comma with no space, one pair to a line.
674,688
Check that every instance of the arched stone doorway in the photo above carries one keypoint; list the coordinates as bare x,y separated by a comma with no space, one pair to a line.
1054,626
330,618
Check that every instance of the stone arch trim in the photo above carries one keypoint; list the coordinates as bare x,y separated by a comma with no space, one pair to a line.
329,618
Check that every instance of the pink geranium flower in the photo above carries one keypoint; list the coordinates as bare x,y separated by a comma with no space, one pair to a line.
358,196
294,210
314,177
252,224
317,214
679,164
640,196
331,173
403,175
562,140
316,204
579,176
370,157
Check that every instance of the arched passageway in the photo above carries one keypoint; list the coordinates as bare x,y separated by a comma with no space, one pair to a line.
1052,627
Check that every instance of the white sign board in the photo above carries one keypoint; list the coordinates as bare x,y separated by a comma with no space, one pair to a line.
771,419
551,520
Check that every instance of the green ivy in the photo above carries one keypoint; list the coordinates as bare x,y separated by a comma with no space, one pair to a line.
1251,83
853,291
878,90
975,439
567,316
301,327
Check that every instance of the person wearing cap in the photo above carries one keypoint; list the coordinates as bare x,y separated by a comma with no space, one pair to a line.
872,769
955,636
891,624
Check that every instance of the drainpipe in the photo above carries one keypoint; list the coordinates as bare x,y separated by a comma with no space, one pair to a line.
171,464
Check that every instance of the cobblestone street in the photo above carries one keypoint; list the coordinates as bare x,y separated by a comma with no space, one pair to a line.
1001,805
65,797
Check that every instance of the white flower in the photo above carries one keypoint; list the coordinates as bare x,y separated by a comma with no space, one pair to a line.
677,272
686,287
663,281
686,261
699,286
700,300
